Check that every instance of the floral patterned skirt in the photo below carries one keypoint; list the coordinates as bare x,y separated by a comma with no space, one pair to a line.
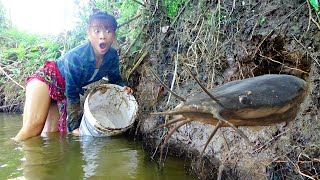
50,75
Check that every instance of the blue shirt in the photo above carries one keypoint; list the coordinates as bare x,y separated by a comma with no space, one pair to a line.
78,66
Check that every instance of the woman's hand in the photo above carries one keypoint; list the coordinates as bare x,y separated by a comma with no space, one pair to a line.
128,89
76,132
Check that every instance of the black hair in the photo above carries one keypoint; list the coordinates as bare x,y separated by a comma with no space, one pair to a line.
104,16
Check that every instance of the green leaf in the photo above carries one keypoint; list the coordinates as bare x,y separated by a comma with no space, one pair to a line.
263,20
314,4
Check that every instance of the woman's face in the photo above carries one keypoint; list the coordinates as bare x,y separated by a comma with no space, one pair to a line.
101,36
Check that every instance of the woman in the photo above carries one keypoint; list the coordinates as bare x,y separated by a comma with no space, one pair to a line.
52,93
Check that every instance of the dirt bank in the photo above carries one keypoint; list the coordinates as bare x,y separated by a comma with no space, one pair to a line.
225,41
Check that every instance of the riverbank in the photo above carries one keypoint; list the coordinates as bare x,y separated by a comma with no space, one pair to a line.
225,42
222,42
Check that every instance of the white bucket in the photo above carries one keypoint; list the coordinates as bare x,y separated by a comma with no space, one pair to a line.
108,111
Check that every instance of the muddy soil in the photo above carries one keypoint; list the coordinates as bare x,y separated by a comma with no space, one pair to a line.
224,41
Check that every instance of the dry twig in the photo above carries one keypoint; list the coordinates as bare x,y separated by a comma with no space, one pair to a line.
306,50
135,40
6,106
311,18
270,59
137,63
166,87
174,73
272,139
128,21
7,75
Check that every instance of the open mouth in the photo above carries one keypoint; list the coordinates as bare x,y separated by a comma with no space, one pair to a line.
102,45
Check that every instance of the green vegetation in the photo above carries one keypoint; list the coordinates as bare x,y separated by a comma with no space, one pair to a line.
172,7
314,4
23,53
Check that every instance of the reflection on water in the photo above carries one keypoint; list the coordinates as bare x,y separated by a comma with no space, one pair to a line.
51,157
58,156
98,153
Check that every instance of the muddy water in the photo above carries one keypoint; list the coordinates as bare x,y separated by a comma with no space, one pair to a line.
56,156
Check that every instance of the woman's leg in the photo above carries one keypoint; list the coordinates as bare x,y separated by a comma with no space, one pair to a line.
35,111
52,120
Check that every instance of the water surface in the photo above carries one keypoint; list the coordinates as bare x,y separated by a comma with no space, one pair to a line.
57,156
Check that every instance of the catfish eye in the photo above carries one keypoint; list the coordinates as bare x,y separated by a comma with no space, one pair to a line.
244,99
